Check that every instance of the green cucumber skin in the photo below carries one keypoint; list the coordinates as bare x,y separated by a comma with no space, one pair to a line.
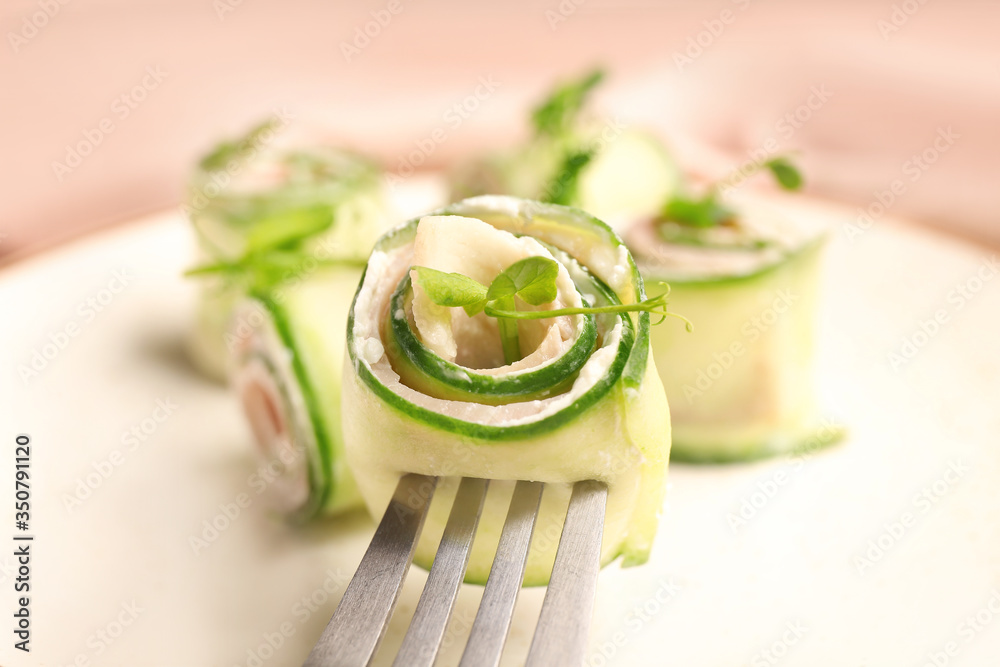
319,481
810,439
730,407
315,354
484,431
222,223
814,247
631,358
384,442
620,426
449,380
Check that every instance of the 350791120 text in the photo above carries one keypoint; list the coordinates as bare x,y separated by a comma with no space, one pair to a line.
22,542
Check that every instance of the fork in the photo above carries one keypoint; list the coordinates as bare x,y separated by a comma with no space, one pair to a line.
360,620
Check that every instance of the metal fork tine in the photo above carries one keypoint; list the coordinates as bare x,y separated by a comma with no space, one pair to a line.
359,622
561,634
423,638
496,609
357,625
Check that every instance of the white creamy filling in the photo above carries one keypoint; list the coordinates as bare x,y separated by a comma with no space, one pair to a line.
607,261
383,275
276,425
475,249
784,235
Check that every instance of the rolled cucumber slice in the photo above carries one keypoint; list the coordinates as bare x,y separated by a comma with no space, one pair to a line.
606,420
288,351
613,171
420,368
282,233
245,184
741,386
629,175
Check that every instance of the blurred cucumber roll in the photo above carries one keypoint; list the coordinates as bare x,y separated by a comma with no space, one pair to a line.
288,353
283,231
266,212
741,386
599,164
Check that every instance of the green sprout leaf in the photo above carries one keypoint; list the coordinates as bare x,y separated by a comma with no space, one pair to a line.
704,212
559,111
563,187
532,278
289,227
452,289
274,249
656,305
787,174
708,211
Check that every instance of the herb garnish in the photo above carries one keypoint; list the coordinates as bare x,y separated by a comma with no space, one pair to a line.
533,280
274,248
556,115
708,211
564,185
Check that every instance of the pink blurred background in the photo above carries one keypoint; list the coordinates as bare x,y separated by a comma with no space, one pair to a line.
871,93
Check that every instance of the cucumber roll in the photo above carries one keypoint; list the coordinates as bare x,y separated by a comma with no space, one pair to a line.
614,172
507,339
741,386
283,234
288,352
260,193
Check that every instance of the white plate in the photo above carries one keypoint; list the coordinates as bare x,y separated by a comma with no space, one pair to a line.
120,565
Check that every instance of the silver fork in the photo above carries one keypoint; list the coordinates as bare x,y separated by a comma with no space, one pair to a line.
360,620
